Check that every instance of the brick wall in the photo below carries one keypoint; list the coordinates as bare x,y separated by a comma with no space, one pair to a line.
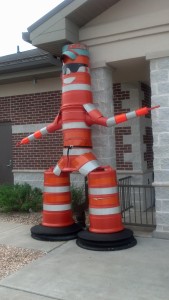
33,109
30,109
146,101
121,149
148,141
148,136
119,96
39,154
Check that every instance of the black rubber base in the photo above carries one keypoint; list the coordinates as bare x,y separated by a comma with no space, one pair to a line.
106,242
44,233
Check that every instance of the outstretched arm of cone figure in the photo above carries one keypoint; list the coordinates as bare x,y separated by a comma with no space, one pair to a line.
56,125
96,117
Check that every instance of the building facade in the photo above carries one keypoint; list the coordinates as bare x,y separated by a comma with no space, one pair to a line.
129,48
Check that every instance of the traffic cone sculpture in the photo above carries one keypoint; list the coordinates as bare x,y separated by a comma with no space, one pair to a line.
76,116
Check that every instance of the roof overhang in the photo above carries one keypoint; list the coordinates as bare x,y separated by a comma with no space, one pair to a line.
61,25
28,65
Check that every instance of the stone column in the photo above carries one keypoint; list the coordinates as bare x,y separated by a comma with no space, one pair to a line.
159,68
103,137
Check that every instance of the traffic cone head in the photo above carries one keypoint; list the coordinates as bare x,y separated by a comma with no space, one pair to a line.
76,79
75,53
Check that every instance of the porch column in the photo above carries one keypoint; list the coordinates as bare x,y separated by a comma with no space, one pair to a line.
159,68
103,137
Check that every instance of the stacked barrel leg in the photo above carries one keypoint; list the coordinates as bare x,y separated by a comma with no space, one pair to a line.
106,231
57,218
57,200
104,207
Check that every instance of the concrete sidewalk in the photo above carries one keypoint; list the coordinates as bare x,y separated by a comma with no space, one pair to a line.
68,272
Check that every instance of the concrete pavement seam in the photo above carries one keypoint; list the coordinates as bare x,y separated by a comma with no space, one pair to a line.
57,247
32,293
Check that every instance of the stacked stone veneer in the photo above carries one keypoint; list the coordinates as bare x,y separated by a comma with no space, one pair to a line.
103,137
160,118
29,113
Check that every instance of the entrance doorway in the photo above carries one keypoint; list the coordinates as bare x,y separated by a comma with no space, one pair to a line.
6,175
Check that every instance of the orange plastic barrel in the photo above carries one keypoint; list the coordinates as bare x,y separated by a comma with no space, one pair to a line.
57,200
104,207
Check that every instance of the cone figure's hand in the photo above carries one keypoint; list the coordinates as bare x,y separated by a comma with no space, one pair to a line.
96,116
23,141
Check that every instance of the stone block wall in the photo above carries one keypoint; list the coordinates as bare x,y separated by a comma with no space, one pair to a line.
103,137
160,96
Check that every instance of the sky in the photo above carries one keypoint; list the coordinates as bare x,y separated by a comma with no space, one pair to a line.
15,17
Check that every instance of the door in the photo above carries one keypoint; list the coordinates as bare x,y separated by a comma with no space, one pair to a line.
6,175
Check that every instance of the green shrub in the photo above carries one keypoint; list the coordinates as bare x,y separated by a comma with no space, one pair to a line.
77,196
20,198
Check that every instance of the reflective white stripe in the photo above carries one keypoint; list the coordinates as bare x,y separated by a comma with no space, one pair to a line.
131,115
74,87
31,137
76,151
105,211
57,170
56,189
43,131
103,191
75,125
89,107
88,167
111,121
56,207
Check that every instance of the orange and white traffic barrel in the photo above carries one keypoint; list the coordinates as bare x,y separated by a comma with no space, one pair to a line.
57,218
104,206
106,231
57,200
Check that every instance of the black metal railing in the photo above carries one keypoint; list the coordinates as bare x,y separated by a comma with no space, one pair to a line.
137,203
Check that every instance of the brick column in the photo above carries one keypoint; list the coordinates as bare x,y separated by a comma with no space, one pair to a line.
160,95
103,137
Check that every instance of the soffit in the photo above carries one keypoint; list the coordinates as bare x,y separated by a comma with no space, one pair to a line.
90,10
61,25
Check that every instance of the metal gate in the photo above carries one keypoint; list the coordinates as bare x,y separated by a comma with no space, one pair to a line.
137,203
6,176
